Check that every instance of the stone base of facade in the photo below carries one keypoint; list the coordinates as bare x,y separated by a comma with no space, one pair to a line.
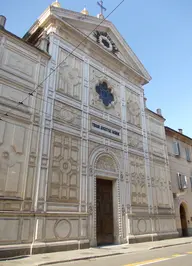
8,251
152,237
189,232
38,248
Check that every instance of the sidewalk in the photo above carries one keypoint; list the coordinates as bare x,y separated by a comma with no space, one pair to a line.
84,254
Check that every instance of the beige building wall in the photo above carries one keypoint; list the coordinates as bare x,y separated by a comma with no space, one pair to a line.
181,176
22,68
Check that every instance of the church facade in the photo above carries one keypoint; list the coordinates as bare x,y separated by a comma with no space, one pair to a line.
83,161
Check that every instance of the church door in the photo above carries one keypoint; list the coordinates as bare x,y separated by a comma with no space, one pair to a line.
183,221
104,212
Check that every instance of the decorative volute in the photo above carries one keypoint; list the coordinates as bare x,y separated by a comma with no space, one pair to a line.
56,4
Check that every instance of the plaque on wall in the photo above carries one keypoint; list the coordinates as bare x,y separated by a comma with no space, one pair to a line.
105,129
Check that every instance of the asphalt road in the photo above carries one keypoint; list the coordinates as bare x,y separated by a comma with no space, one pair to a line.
177,256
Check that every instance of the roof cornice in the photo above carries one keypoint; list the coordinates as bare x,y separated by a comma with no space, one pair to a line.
10,34
177,134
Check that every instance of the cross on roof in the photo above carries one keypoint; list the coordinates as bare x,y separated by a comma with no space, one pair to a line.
101,6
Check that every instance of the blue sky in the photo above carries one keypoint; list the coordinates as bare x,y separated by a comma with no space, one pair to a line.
158,31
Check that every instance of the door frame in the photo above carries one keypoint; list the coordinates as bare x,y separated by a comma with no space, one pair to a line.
115,206
116,210
97,171
183,229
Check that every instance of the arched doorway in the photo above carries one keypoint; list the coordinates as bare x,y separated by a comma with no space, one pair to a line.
104,181
106,167
183,220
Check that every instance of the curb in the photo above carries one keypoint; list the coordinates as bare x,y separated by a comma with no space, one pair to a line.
78,259
170,245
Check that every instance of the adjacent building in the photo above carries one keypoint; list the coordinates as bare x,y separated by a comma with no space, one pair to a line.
83,161
180,159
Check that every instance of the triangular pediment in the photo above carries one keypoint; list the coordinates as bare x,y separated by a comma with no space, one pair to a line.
106,36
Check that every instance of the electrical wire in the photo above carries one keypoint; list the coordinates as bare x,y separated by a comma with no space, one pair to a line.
53,70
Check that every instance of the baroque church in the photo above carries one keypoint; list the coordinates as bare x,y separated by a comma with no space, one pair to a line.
83,161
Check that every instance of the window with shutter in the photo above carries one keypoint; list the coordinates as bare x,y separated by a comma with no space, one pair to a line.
182,181
179,181
188,157
176,148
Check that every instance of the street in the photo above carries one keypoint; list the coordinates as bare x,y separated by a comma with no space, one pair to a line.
177,255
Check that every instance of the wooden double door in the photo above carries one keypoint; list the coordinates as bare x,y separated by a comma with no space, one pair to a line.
104,198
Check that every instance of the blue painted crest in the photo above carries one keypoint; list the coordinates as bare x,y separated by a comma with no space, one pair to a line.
105,93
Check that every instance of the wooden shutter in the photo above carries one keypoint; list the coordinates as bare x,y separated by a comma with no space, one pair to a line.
176,148
179,181
187,151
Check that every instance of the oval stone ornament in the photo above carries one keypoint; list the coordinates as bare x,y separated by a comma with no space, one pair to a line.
62,229
142,226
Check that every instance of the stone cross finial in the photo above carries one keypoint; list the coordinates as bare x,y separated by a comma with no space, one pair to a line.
102,7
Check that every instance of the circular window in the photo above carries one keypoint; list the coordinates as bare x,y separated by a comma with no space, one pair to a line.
106,43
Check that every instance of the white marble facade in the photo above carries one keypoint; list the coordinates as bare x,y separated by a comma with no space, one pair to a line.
55,145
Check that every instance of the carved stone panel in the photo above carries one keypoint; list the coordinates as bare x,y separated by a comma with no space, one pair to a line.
155,127
160,184
66,114
136,167
62,229
104,93
19,64
12,157
135,141
70,75
9,230
106,163
133,108
64,172
92,146
157,148
137,173
167,225
13,94
141,226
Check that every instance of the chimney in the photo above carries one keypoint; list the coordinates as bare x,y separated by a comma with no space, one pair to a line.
159,112
2,21
180,130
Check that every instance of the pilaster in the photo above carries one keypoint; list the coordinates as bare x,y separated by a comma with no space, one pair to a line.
146,154
84,139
